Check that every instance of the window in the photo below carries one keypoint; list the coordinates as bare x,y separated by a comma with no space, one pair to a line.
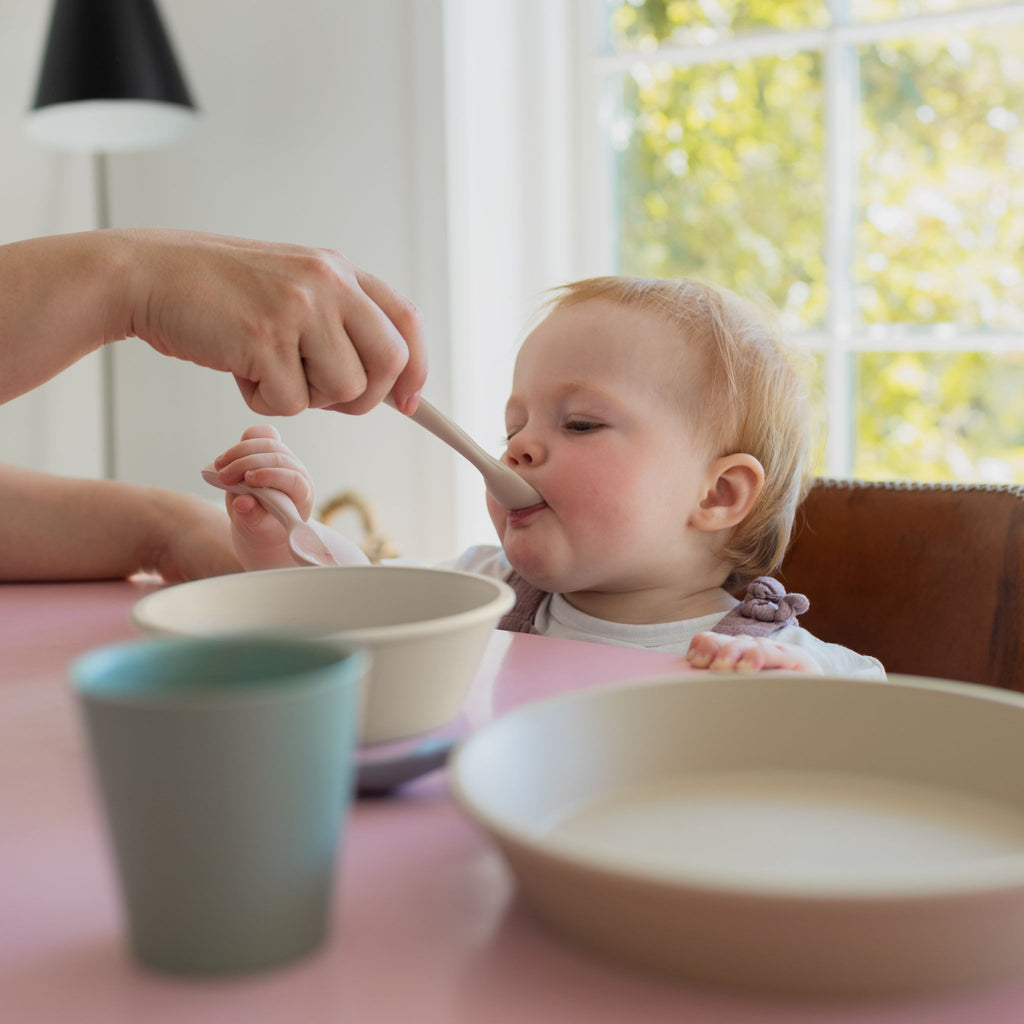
861,162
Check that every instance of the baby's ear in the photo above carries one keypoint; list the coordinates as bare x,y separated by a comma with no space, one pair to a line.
733,484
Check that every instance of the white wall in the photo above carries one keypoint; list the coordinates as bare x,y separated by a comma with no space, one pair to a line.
307,135
514,201
57,426
322,123
431,141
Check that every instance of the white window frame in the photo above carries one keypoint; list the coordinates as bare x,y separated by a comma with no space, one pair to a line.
512,147
840,338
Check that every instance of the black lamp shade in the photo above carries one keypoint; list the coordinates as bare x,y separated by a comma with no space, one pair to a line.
109,79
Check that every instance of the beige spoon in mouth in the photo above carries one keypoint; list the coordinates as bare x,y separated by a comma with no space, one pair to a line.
502,481
305,542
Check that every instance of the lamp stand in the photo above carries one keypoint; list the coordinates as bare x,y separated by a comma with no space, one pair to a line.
107,391
108,83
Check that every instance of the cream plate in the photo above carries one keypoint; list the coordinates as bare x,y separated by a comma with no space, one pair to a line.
791,834
425,629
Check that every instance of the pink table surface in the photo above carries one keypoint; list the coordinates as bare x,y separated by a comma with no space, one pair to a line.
427,926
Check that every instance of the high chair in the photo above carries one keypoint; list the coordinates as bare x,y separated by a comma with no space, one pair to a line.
928,578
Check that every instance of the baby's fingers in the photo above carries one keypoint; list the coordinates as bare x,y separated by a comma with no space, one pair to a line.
739,654
262,438
245,510
704,647
748,654
295,483
251,468
261,430
250,519
256,530
721,653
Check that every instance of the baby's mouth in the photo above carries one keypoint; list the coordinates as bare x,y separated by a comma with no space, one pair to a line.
517,515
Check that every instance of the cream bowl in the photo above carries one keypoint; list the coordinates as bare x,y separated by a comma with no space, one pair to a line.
792,834
425,629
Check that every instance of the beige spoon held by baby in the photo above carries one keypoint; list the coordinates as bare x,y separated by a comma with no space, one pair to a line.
502,481
305,542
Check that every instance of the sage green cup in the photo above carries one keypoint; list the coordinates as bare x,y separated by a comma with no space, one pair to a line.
226,770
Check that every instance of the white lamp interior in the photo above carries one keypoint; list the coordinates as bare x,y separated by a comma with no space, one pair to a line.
109,125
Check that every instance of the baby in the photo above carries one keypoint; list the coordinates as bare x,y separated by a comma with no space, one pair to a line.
665,427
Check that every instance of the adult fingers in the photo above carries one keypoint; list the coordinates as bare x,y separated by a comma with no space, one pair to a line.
355,340
280,390
335,368
381,350
409,322
404,380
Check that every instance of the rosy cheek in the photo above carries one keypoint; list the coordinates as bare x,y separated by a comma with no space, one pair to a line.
578,483
591,494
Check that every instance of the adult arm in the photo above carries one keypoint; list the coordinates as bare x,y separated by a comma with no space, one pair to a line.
60,528
298,327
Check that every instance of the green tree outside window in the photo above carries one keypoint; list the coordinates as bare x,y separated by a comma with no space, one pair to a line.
721,172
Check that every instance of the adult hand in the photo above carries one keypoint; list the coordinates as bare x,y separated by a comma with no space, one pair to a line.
299,328
62,528
182,537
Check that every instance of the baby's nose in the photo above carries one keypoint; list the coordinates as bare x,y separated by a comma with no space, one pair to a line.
524,449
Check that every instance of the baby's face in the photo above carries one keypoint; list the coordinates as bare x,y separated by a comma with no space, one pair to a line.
597,423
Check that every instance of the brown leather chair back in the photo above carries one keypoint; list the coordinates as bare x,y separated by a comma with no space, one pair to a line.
928,578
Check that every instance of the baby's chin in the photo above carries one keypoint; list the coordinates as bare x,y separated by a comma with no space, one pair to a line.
542,574
536,572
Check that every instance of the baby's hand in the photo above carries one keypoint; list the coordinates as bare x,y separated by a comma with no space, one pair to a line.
261,459
721,653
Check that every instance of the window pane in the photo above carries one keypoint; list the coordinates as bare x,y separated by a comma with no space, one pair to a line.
942,180
880,10
645,24
940,416
814,368
720,174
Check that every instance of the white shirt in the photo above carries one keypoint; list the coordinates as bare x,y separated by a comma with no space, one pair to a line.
556,617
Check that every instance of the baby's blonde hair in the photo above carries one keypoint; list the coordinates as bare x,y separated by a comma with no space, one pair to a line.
754,398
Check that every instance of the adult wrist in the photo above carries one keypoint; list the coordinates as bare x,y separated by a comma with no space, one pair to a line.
122,262
155,519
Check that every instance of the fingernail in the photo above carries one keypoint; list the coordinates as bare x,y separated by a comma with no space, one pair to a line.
719,664
745,663
698,660
410,402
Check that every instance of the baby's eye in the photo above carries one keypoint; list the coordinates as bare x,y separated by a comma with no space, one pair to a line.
581,426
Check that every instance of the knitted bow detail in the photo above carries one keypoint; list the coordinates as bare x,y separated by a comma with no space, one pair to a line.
767,601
